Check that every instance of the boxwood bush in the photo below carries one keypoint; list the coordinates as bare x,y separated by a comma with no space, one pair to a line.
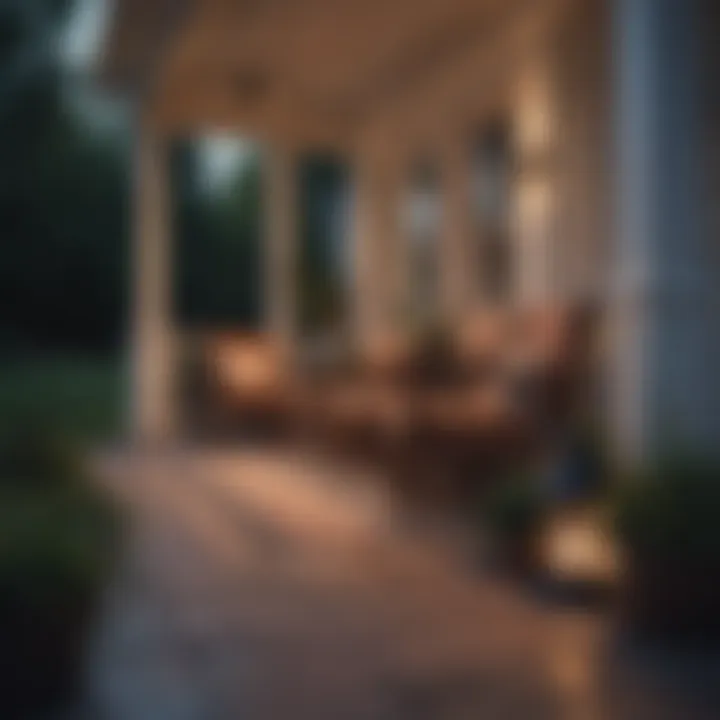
668,523
513,516
515,508
34,454
58,544
672,511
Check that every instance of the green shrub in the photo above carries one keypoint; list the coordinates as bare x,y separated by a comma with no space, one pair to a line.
53,520
515,509
54,545
672,512
57,550
33,453
64,535
59,536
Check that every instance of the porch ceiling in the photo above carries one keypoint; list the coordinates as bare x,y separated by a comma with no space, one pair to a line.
306,71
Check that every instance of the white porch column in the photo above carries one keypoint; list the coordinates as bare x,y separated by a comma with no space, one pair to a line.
458,267
376,296
152,391
662,386
281,247
534,216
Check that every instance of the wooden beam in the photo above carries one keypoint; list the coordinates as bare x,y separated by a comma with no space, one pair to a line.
467,83
140,34
189,107
332,72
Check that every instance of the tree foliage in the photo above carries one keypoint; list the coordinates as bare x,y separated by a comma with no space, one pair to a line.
62,196
65,213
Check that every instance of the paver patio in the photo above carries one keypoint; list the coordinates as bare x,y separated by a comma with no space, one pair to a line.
267,586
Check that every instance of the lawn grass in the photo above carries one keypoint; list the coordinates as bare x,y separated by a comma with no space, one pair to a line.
83,396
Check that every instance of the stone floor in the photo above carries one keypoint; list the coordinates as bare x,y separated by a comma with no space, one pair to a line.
265,587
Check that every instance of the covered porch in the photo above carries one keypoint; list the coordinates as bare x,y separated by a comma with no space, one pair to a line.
573,115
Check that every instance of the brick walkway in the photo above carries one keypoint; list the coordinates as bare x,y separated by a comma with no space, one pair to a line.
264,587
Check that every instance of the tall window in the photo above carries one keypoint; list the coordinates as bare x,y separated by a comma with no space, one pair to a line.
323,189
492,206
422,210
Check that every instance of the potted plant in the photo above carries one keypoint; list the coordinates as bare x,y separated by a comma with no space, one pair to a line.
514,515
668,524
58,543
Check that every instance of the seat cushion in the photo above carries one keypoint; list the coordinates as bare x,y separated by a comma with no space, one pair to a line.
245,366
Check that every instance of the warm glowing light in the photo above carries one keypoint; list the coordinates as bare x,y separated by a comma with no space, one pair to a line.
580,548
247,365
